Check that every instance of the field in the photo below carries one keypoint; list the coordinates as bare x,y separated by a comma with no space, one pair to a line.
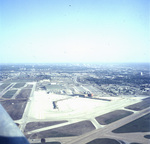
147,136
112,116
9,94
139,125
104,141
15,108
17,80
37,125
135,143
24,93
75,129
19,85
48,143
54,87
3,86
140,106
29,86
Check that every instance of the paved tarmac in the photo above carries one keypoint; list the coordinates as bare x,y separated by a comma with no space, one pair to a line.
105,132
102,131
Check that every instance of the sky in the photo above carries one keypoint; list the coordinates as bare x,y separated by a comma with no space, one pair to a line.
66,31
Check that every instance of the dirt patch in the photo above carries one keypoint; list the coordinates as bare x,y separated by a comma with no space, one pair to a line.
112,116
139,125
24,93
15,108
36,125
104,141
65,131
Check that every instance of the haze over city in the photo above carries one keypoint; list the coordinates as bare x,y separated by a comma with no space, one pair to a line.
48,31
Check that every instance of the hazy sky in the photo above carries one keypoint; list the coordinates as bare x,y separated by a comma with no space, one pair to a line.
74,31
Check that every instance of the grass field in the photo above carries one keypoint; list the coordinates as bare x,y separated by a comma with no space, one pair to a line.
112,116
3,86
104,141
24,93
16,80
135,143
147,136
54,87
139,125
15,108
75,129
36,125
9,94
48,143
140,106
19,85
29,86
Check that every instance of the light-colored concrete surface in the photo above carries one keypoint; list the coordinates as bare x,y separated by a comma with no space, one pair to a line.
24,119
41,106
96,124
75,109
105,132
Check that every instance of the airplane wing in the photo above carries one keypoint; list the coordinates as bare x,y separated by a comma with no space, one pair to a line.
9,132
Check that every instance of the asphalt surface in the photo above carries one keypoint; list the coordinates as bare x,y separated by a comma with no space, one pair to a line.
101,130
105,132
